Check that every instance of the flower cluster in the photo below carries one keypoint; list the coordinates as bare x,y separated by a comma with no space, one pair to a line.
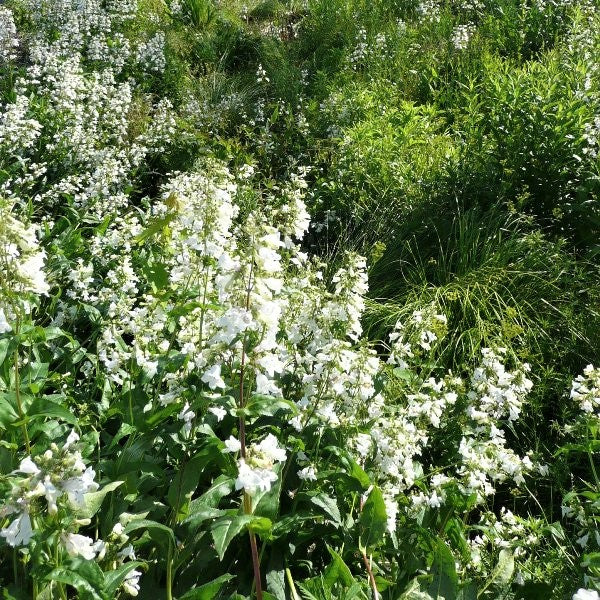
59,476
585,390
461,35
21,267
9,40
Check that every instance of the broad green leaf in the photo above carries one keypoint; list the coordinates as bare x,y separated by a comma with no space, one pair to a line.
503,572
223,531
4,344
353,469
42,407
329,506
266,503
160,533
186,480
221,487
276,583
260,405
33,372
337,571
154,227
373,520
261,525
93,500
76,580
207,591
445,579
201,513
114,579
8,413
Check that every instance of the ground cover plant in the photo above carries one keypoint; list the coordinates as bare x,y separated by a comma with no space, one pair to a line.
299,299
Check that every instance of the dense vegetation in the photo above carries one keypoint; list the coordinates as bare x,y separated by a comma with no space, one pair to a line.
299,299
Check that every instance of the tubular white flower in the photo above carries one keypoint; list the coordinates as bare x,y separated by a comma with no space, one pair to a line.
79,545
19,532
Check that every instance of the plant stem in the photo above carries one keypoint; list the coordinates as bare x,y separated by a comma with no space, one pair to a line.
371,576
256,566
293,591
18,391
170,573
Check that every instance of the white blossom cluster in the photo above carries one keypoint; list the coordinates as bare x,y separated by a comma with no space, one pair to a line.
461,35
416,336
523,537
21,267
9,41
58,473
429,10
585,390
591,136
365,50
428,407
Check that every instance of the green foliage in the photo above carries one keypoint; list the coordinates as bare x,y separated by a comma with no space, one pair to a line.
454,144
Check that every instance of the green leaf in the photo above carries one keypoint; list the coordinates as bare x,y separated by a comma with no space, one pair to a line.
373,520
35,371
223,531
186,480
93,500
266,503
207,591
82,579
114,579
42,407
201,513
354,470
8,414
4,344
260,525
221,487
155,226
276,583
160,533
503,572
329,506
445,579
338,570
260,405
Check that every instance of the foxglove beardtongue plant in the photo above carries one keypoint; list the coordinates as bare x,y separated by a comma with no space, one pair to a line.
217,374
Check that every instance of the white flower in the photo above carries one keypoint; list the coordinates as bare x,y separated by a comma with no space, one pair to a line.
51,493
4,325
79,545
19,532
29,467
76,487
131,584
99,548
252,480
218,412
187,416
308,474
269,447
582,594
127,552
71,439
232,445
212,377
